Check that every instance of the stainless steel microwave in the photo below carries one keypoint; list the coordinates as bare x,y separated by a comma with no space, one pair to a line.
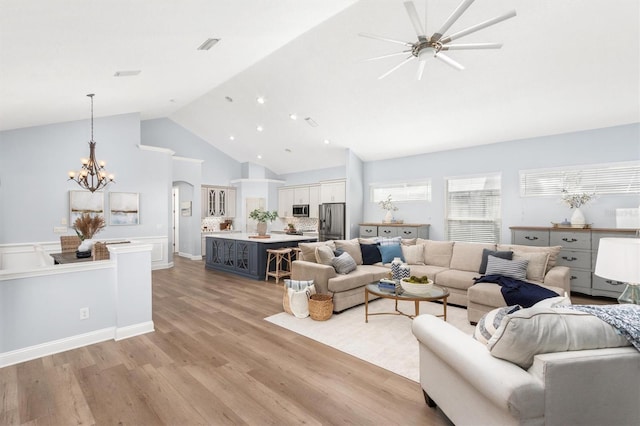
300,210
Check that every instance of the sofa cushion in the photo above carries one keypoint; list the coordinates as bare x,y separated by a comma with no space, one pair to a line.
369,240
509,268
468,256
489,323
428,270
354,279
344,263
537,266
553,251
352,247
437,253
324,255
485,258
370,254
388,253
389,241
413,255
539,330
453,278
308,250
377,271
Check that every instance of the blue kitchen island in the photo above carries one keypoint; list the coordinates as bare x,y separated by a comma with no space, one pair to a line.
245,254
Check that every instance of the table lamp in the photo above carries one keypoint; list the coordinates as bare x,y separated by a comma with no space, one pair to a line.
619,260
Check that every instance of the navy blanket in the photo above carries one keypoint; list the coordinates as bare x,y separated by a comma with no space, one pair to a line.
517,292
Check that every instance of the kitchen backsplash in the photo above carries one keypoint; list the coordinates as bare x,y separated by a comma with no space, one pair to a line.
300,223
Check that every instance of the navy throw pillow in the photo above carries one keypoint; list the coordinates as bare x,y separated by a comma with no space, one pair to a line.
370,254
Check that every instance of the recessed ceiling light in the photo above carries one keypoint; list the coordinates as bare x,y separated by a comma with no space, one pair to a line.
208,43
311,122
259,128
327,142
259,157
232,138
293,116
128,73
260,100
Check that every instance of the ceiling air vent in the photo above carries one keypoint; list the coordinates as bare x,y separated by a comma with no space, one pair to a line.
208,43
311,122
129,73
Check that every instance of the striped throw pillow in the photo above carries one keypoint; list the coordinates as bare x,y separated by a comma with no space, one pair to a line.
344,263
509,268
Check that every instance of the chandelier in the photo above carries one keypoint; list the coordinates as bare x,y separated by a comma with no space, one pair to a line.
92,176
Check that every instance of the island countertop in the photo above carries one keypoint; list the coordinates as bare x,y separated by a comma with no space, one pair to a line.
273,238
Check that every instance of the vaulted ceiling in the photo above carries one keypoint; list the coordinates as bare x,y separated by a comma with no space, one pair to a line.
564,66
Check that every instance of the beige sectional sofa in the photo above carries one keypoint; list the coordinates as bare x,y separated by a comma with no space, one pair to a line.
452,265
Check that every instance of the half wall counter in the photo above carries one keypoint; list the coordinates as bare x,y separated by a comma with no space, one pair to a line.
246,254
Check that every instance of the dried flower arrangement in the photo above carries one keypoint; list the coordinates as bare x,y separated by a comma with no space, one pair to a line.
388,204
575,201
86,226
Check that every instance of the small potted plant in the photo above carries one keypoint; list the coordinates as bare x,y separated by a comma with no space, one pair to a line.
86,226
263,216
389,207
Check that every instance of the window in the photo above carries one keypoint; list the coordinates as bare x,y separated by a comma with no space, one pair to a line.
409,191
473,209
618,178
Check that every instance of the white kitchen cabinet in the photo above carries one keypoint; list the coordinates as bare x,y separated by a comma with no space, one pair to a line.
314,200
301,195
333,192
218,201
285,202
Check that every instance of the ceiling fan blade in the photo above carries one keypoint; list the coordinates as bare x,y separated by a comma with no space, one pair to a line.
452,19
478,27
413,15
404,52
447,60
396,67
375,37
421,65
471,46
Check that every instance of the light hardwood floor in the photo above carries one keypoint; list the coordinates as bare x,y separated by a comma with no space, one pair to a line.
212,360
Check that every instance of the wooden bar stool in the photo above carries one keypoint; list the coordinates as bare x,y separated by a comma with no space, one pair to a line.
279,257
295,253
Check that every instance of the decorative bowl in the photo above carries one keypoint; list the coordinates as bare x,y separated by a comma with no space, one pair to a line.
416,288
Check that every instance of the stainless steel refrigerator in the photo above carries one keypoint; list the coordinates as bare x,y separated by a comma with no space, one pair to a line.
331,221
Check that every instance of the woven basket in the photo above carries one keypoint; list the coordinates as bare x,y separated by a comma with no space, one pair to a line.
100,251
320,307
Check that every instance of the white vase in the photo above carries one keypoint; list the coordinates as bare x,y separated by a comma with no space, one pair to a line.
395,268
388,218
86,245
577,218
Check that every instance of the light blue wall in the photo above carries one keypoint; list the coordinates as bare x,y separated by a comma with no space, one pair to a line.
217,167
34,194
609,145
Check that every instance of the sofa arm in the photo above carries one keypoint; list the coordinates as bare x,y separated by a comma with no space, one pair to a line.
559,276
320,274
506,385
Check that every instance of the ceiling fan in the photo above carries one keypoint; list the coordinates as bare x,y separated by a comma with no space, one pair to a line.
438,42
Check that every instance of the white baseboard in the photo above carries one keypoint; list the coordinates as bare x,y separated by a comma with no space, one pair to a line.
133,330
73,342
56,346
189,256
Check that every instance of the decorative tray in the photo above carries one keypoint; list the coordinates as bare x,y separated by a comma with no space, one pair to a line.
568,225
260,237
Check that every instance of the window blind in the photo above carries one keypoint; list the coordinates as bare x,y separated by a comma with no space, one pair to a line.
474,209
619,178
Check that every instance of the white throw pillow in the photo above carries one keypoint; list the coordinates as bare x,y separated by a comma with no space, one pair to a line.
537,266
490,322
413,255
540,330
324,255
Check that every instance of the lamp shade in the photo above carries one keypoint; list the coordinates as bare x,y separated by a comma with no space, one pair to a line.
619,259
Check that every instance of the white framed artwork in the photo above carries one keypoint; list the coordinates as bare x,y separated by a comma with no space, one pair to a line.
85,202
124,208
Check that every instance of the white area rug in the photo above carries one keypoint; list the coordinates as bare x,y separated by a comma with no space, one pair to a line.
386,340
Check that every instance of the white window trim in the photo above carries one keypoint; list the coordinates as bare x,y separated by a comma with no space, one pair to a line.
399,184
